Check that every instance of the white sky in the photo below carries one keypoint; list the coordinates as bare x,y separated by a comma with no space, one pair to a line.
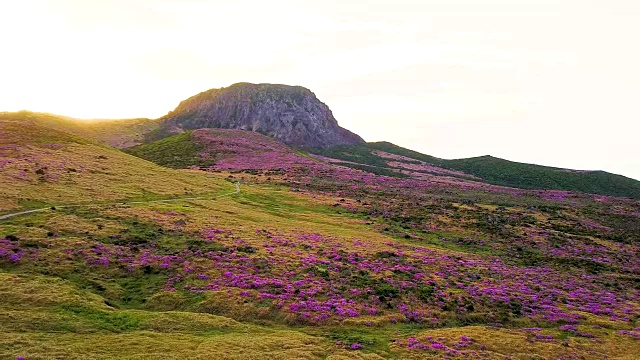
548,82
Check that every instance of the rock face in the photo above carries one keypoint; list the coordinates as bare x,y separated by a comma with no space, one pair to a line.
290,114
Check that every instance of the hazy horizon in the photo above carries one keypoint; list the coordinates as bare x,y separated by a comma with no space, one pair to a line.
545,82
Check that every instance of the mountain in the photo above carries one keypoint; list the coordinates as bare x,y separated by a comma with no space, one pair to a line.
489,169
293,115
236,245
290,114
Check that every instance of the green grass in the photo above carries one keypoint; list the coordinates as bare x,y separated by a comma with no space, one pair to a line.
280,203
47,318
528,176
178,152
114,321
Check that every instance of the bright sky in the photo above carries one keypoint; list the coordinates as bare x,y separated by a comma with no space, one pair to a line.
553,82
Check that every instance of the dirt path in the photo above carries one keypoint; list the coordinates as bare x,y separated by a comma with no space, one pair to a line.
7,216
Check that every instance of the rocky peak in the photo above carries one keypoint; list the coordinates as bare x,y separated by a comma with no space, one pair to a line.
290,114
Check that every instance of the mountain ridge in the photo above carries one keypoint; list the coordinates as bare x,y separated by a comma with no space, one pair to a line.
127,133
502,172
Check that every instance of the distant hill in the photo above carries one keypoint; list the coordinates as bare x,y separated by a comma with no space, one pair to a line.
495,170
290,114
237,149
116,133
41,165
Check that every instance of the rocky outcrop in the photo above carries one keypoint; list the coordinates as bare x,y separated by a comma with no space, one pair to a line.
290,114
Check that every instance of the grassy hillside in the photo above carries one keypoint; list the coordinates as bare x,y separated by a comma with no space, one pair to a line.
44,317
40,166
527,176
116,133
253,276
501,172
177,152
308,261
221,149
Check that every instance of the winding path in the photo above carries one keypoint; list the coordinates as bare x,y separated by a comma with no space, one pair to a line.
7,216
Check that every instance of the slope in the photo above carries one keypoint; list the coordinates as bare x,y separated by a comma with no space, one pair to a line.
115,133
41,166
493,170
272,273
314,261
221,149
